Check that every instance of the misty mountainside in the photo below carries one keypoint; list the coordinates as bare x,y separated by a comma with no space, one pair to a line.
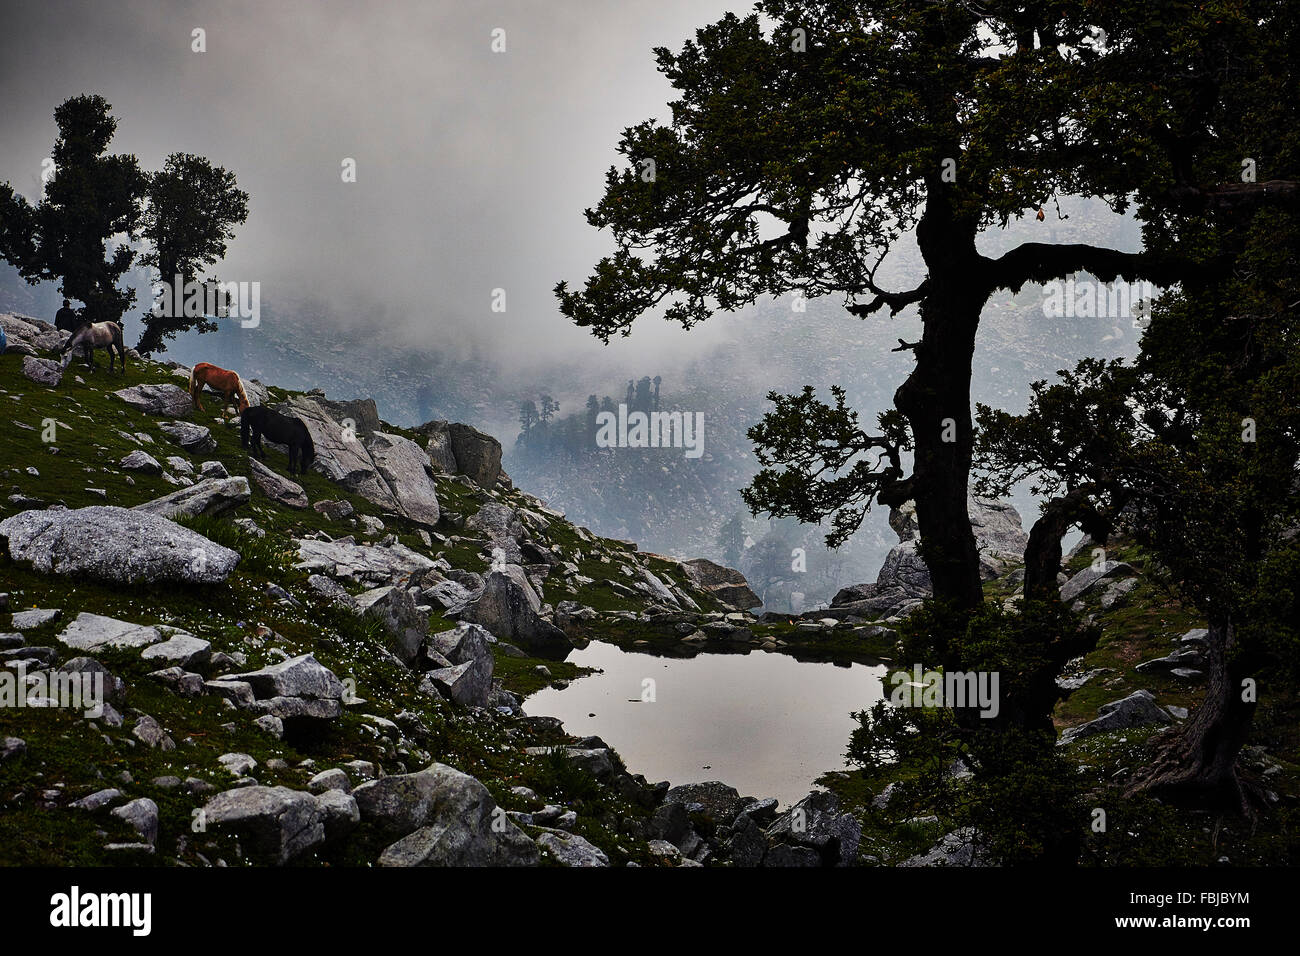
670,503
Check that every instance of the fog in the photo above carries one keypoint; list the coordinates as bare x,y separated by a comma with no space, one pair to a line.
472,167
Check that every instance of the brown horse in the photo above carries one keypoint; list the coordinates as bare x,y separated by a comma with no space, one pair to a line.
96,335
220,380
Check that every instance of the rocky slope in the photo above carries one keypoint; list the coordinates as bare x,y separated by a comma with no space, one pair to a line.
328,668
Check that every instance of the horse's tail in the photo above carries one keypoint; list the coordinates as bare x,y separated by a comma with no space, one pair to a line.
308,446
243,395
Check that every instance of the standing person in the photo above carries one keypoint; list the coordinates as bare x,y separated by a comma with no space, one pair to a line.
66,319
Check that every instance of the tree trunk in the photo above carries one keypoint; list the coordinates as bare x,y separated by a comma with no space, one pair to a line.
1199,760
935,399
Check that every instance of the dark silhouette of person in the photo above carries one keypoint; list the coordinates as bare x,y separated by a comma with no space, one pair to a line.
66,319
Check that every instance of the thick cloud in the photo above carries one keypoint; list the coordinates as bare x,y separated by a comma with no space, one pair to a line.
473,167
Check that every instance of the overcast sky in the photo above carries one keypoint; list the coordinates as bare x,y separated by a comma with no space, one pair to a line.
473,167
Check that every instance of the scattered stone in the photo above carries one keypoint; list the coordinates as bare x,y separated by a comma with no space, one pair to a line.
36,617
569,849
276,487
142,462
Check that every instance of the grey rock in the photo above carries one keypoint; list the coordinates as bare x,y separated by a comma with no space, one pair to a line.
339,813
35,617
213,469
395,609
404,466
509,608
170,401
816,822
113,687
279,824
181,649
179,682
12,748
212,497
1086,579
150,733
360,562
271,725
718,802
97,800
785,855
94,632
450,820
959,848
341,453
569,849
239,765
142,815
301,676
1139,709
276,487
115,545
196,439
42,371
332,779
142,462
335,510
725,584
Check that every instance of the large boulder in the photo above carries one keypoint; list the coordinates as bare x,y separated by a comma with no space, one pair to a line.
503,528
713,798
447,818
478,456
405,467
469,680
453,448
1089,577
510,608
196,439
374,564
277,824
95,632
726,585
815,822
115,544
904,580
276,487
212,497
42,371
1138,709
406,625
300,691
169,401
341,453
34,334
438,447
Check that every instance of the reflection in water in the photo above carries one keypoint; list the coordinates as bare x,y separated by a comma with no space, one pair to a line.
765,723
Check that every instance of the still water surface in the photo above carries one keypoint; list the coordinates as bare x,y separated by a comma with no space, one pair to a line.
767,724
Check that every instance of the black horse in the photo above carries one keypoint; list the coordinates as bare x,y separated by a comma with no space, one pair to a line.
263,421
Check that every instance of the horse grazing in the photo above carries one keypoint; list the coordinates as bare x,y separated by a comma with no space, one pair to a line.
96,335
220,380
263,421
